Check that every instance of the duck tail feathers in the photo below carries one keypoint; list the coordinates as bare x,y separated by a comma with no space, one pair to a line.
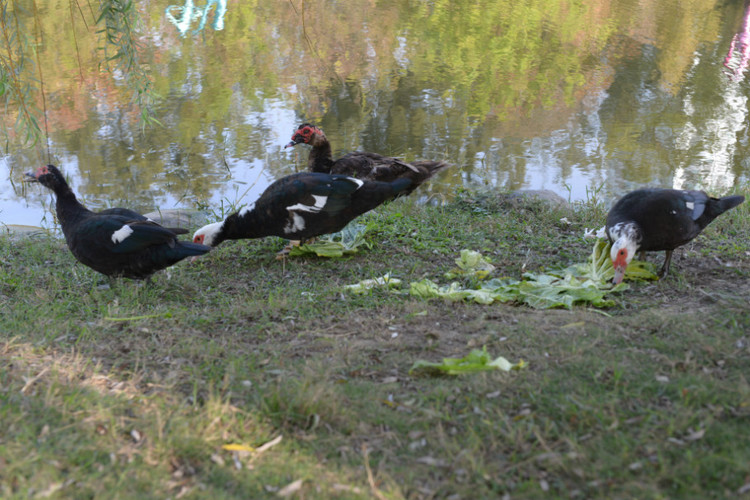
729,202
717,206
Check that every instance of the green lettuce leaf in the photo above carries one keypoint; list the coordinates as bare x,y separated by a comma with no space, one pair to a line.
584,283
384,281
346,241
476,361
599,267
471,263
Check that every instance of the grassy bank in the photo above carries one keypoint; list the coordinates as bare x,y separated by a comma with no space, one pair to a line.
182,387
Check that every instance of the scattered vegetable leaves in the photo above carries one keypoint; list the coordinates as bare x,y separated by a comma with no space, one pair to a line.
586,283
384,281
471,263
346,241
475,361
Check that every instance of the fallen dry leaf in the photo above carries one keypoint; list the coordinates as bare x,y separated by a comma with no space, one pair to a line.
694,436
136,435
346,487
290,489
237,447
49,490
432,461
269,444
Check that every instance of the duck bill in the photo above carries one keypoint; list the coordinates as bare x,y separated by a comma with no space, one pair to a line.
619,274
291,143
30,176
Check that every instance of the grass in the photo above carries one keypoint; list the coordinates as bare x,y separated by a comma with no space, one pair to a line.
139,391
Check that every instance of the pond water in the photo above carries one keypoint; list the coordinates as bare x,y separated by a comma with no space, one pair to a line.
582,98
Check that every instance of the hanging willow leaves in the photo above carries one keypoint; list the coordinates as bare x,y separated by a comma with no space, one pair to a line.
119,20
18,82
21,83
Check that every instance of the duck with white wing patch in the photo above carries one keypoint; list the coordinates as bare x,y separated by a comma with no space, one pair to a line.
116,241
301,206
655,219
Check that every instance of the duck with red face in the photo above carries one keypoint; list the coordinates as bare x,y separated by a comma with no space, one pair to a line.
302,206
656,219
116,242
360,164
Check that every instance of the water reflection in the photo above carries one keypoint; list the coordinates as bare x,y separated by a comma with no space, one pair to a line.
538,93
189,13
738,57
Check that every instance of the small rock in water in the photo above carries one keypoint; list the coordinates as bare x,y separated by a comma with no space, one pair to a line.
21,230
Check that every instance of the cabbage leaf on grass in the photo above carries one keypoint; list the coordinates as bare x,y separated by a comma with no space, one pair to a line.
586,283
599,267
384,281
454,292
471,264
476,361
346,241
543,291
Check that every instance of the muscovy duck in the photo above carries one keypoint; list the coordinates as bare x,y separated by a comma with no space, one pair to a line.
655,219
367,166
303,205
117,241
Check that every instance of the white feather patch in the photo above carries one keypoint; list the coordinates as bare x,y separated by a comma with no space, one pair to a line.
320,202
358,182
600,233
122,233
690,205
296,224
246,209
209,233
624,229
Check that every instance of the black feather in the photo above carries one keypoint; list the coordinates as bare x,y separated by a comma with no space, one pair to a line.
308,204
140,247
362,165
665,219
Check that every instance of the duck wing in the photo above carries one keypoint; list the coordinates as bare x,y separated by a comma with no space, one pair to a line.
122,235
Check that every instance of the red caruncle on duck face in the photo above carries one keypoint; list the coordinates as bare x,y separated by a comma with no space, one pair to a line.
47,176
304,134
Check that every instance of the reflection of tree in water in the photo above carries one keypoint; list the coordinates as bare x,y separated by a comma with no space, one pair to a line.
189,12
738,56
492,87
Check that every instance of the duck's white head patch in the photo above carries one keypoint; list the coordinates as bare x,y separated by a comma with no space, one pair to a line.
207,234
626,239
122,233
